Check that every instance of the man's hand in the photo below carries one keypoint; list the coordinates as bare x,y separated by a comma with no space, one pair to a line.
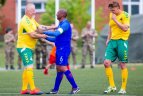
45,71
43,36
53,27
113,17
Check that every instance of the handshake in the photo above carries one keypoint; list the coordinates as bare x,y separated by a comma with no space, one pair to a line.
40,31
42,28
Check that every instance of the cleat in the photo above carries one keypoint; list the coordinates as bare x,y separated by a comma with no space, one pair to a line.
75,90
25,92
52,92
110,89
36,91
122,91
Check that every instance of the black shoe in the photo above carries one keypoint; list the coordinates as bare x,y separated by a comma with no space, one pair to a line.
52,92
12,68
43,67
82,66
91,66
75,90
38,66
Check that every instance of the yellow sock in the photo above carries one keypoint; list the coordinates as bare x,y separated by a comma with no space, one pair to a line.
109,74
30,78
24,80
124,73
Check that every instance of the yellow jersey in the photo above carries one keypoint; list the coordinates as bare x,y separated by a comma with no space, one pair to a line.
26,25
116,32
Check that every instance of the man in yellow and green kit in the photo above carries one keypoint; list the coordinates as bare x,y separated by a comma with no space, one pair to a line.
27,38
117,46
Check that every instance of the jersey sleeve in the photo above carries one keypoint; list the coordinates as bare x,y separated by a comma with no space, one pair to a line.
64,27
37,24
126,19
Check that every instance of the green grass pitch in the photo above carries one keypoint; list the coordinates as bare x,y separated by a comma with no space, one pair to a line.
91,81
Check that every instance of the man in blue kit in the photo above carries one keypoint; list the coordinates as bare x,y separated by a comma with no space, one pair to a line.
62,38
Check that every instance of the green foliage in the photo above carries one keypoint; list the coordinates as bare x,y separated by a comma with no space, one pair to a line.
78,12
2,2
49,16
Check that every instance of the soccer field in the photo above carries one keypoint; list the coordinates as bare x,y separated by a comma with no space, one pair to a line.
91,81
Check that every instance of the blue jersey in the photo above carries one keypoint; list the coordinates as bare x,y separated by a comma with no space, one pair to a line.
64,39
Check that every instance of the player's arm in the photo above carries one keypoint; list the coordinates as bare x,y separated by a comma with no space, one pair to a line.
27,26
51,39
124,27
48,42
57,32
48,27
36,35
42,28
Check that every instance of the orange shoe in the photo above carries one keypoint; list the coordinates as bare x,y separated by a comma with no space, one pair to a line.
25,92
36,91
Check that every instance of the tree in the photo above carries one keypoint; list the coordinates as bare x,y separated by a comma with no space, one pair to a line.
78,12
2,2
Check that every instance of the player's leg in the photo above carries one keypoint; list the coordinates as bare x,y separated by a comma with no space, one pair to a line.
62,66
24,74
28,76
58,81
110,55
70,78
123,58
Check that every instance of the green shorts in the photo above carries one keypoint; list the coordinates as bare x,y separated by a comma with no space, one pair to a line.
26,55
117,49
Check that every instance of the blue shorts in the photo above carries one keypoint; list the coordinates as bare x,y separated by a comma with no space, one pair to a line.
62,55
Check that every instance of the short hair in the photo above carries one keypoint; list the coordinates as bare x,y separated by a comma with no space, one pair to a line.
64,12
114,4
8,29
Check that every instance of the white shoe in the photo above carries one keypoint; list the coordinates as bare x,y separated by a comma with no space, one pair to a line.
110,89
122,91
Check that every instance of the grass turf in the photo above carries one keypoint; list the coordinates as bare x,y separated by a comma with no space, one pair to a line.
90,81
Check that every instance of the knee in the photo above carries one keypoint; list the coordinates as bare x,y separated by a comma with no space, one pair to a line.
107,63
122,65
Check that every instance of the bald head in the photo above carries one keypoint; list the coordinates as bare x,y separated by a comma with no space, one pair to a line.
61,14
30,9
